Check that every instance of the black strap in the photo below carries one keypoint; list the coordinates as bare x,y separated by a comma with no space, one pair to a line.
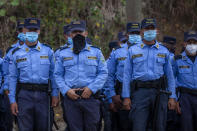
187,90
33,87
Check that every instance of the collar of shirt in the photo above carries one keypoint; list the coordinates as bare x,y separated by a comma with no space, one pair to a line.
16,44
26,48
186,58
87,47
156,45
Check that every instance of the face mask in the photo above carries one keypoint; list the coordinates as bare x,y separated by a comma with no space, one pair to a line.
134,38
191,48
31,36
150,35
78,43
21,37
70,40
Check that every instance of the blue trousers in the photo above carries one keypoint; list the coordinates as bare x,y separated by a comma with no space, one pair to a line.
6,117
188,105
143,104
82,114
33,111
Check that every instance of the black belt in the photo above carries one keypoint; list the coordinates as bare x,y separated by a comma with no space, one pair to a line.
148,84
33,87
187,90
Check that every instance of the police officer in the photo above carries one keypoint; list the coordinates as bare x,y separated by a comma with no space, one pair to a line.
145,65
30,68
172,117
80,72
185,71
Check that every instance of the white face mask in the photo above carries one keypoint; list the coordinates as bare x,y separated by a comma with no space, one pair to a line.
191,48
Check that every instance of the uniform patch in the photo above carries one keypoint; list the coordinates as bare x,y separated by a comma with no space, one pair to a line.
44,57
136,56
121,58
161,55
142,45
21,60
184,66
68,58
92,57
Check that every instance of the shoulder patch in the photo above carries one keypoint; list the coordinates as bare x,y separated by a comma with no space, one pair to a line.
178,57
64,47
47,45
95,47
57,49
8,49
15,50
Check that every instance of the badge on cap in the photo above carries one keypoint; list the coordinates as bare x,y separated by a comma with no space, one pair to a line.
77,22
191,33
33,22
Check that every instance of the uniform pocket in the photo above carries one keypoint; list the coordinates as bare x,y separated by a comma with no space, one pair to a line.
91,69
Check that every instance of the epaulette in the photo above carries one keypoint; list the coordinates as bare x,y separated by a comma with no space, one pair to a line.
57,49
8,49
95,47
178,57
47,45
64,47
15,50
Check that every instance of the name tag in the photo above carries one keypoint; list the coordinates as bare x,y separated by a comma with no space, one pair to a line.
44,57
161,55
92,57
184,66
68,58
121,58
21,60
136,56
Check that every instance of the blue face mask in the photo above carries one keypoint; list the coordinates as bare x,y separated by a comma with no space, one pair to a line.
135,38
150,35
70,40
21,37
31,36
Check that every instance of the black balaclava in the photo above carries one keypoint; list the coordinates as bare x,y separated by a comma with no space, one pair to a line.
78,43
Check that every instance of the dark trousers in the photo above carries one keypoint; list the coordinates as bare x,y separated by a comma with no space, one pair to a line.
173,121
33,111
188,105
82,114
6,117
143,104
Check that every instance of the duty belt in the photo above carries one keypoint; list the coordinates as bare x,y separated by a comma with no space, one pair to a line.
33,87
187,90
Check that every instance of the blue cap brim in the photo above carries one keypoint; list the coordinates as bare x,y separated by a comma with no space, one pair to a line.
20,27
133,30
30,27
189,38
77,29
123,39
148,25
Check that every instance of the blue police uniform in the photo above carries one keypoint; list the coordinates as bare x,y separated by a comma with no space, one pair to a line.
185,71
86,69
144,66
30,69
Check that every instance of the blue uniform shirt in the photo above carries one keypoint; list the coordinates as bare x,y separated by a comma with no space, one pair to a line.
31,65
77,71
5,65
147,63
1,75
185,72
116,67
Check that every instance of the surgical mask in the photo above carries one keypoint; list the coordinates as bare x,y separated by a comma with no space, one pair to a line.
150,35
21,37
135,38
70,40
31,36
192,49
79,43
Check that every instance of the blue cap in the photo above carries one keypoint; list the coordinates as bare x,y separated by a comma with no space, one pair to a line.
169,40
67,29
190,35
131,27
32,23
121,36
147,22
113,44
20,24
78,26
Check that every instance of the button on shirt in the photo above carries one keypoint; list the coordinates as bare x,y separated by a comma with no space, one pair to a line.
31,65
88,68
147,63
